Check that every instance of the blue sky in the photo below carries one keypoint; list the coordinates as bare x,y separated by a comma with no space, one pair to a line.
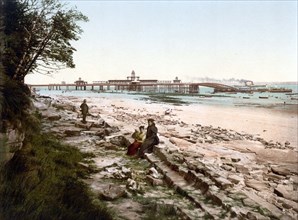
254,40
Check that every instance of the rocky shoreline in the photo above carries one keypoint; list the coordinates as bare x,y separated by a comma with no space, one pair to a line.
195,172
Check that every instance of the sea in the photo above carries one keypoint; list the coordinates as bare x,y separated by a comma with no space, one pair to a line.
205,97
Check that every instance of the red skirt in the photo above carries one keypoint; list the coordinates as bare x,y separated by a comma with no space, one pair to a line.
133,148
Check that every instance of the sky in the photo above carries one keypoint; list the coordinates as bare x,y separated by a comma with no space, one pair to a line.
254,40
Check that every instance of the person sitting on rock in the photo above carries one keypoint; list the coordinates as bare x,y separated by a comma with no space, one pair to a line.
84,109
139,137
150,140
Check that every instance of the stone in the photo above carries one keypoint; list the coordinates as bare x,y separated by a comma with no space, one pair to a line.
119,141
180,142
235,178
234,159
286,192
153,172
112,192
54,117
108,146
241,169
255,184
226,167
72,131
288,204
154,181
86,126
281,170
223,183
273,177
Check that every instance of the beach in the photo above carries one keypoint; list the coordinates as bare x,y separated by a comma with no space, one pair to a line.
272,124
204,151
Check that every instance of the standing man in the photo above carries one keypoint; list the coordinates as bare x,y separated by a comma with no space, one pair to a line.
151,139
84,109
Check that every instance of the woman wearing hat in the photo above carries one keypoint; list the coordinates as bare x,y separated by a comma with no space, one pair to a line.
151,139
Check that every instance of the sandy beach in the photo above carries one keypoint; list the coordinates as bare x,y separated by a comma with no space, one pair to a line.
226,150
273,125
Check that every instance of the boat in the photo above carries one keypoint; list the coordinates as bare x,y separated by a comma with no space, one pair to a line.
279,90
263,97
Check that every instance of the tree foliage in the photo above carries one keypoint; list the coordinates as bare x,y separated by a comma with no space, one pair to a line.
39,35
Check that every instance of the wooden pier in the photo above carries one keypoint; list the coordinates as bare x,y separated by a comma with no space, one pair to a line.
133,83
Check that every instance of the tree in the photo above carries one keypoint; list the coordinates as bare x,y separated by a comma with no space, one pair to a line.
39,35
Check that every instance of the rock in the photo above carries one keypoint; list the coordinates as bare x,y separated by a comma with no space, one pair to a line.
64,106
153,172
131,184
51,116
223,183
72,131
112,192
180,142
255,184
120,141
241,169
154,181
226,167
86,126
235,160
235,178
54,117
288,204
273,177
108,145
286,192
280,170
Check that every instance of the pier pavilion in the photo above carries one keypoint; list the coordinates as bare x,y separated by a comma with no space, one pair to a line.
134,83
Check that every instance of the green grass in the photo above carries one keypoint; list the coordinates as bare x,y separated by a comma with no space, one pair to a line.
44,181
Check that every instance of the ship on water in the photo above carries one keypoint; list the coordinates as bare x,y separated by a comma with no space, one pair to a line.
250,87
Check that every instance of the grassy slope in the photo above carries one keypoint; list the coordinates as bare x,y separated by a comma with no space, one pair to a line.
44,181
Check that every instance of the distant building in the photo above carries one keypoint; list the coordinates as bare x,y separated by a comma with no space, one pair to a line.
176,80
80,84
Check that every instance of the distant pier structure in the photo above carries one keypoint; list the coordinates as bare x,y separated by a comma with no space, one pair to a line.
134,83
81,84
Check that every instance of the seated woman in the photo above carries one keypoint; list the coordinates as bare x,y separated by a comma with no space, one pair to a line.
139,137
151,139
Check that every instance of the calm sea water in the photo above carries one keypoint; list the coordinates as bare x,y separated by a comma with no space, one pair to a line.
264,99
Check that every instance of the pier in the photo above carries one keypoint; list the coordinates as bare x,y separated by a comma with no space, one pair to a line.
134,83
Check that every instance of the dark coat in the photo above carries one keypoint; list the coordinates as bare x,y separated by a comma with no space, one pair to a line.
151,140
84,108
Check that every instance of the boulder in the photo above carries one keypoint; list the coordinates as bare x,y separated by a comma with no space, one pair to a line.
286,192
235,178
112,192
51,116
255,184
284,170
108,145
72,131
153,181
180,142
120,141
85,126
241,169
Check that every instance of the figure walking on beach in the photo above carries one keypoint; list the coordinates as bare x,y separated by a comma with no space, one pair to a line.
139,137
84,109
151,139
